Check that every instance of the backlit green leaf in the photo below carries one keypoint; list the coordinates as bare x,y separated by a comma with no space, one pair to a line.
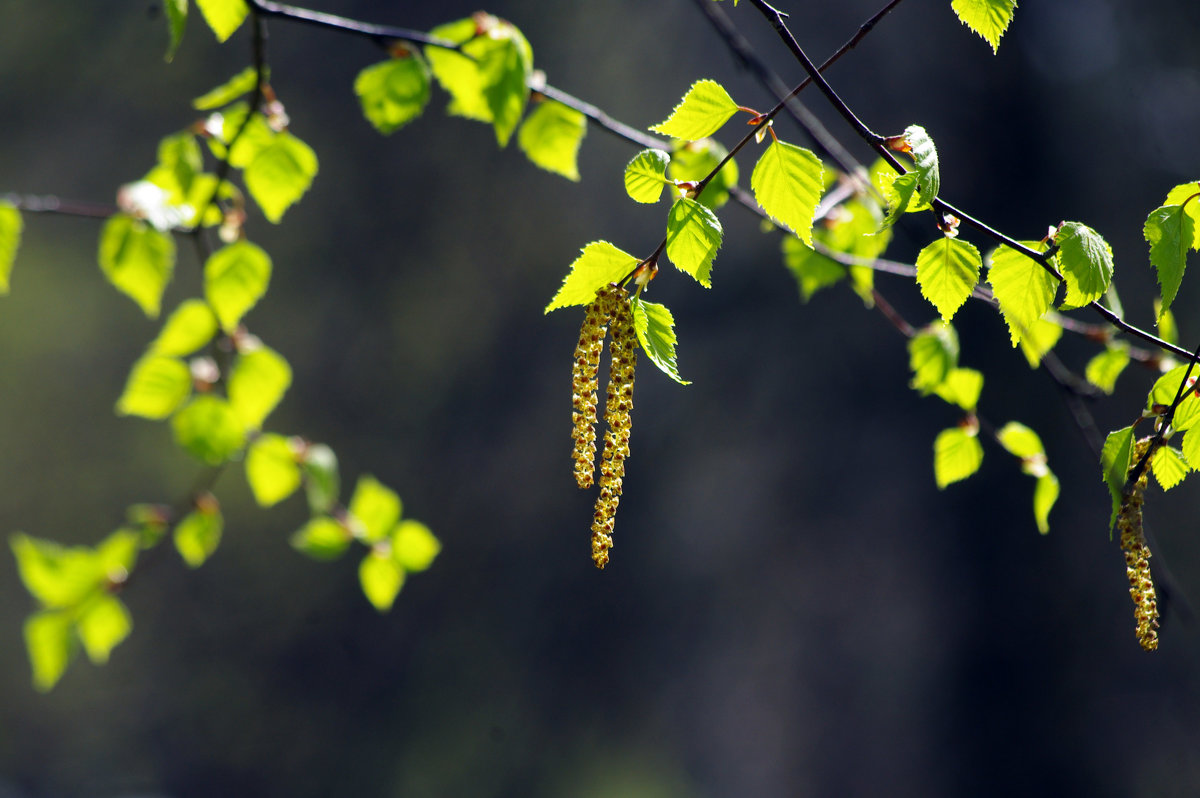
899,193
55,575
223,16
655,328
702,112
10,239
376,509
599,264
102,625
693,237
957,454
1188,195
381,578
947,271
1085,261
645,176
241,83
459,74
176,22
322,539
190,326
322,484
1168,330
198,534
209,430
988,18
1024,289
50,645
1115,463
413,546
272,469
1038,339
787,182
1169,467
1104,369
694,160
924,154
257,383
252,137
550,137
1170,233
1045,494
1022,442
812,270
1191,446
280,174
393,92
932,355
505,61
235,277
137,259
1167,387
156,387
961,387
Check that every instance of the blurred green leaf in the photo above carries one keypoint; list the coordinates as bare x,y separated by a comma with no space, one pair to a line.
694,160
10,239
176,22
550,137
932,355
381,578
235,278
322,484
1038,339
375,507
190,326
961,387
459,74
505,62
1104,369
241,83
137,259
1045,494
50,645
102,625
394,92
957,454
272,469
55,575
156,387
322,538
280,174
257,384
198,534
209,429
1020,441
414,546
223,16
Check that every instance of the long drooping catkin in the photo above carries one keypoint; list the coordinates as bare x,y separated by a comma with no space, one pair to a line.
584,385
617,415
1137,557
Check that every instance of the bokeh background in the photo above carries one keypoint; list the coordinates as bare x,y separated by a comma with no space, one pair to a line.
793,608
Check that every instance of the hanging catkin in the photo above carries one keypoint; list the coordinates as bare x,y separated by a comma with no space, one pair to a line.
1137,557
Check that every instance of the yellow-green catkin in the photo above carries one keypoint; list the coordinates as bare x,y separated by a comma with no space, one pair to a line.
584,385
617,414
1137,557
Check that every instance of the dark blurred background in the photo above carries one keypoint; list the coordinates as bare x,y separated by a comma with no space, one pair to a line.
792,609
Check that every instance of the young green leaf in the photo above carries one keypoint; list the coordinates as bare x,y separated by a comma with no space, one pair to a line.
787,182
505,61
322,539
1191,447
257,383
413,546
1022,442
1104,369
693,237
550,137
137,259
599,264
55,575
241,83
272,469
988,18
198,534
701,112
645,176
1038,339
102,625
209,429
1170,233
253,136
190,326
50,645
920,146
957,454
1086,263
932,356
176,22
10,239
1169,467
381,578
655,328
694,160
235,277
394,92
1168,330
899,193
1166,388
947,271
961,387
1024,289
457,73
812,270
223,16
374,510
1045,494
1188,195
322,484
156,387
280,174
1115,462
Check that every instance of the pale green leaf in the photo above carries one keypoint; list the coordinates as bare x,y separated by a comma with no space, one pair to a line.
899,193
322,484
812,270
414,546
694,160
280,174
920,146
645,176
787,182
1170,233
1038,339
10,239
702,112
272,469
1104,369
176,21
374,510
381,578
102,625
957,454
223,16
655,328
694,235
1169,467
550,137
198,534
599,264
988,18
947,271
253,136
1045,494
1168,330
257,383
459,74
932,356
137,259
1020,441
394,92
156,387
505,61
55,575
241,83
1086,262
1022,286
1191,447
1115,462
50,645
235,277
1166,388
322,538
961,387
116,554
190,326
1188,195
209,430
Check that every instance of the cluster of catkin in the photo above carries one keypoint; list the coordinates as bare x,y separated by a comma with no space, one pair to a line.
1137,557
611,313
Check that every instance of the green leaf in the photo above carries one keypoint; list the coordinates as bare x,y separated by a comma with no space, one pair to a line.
10,239
280,174
812,270
599,264
1168,330
694,160
655,328
504,61
924,154
702,112
393,92
988,18
50,645
199,533
381,578
787,182
413,546
322,539
957,454
223,16
241,83
322,484
1188,195
899,193
1045,494
1085,261
235,277
645,176
961,387
102,626
190,326
1022,442
176,22
209,429
55,575
156,387
137,259
1104,369
1115,462
550,137
459,74
374,509
259,379
1191,447
1038,339
1024,289
1170,233
116,554
272,469
932,356
1166,388
693,237
1169,467
252,137
947,271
